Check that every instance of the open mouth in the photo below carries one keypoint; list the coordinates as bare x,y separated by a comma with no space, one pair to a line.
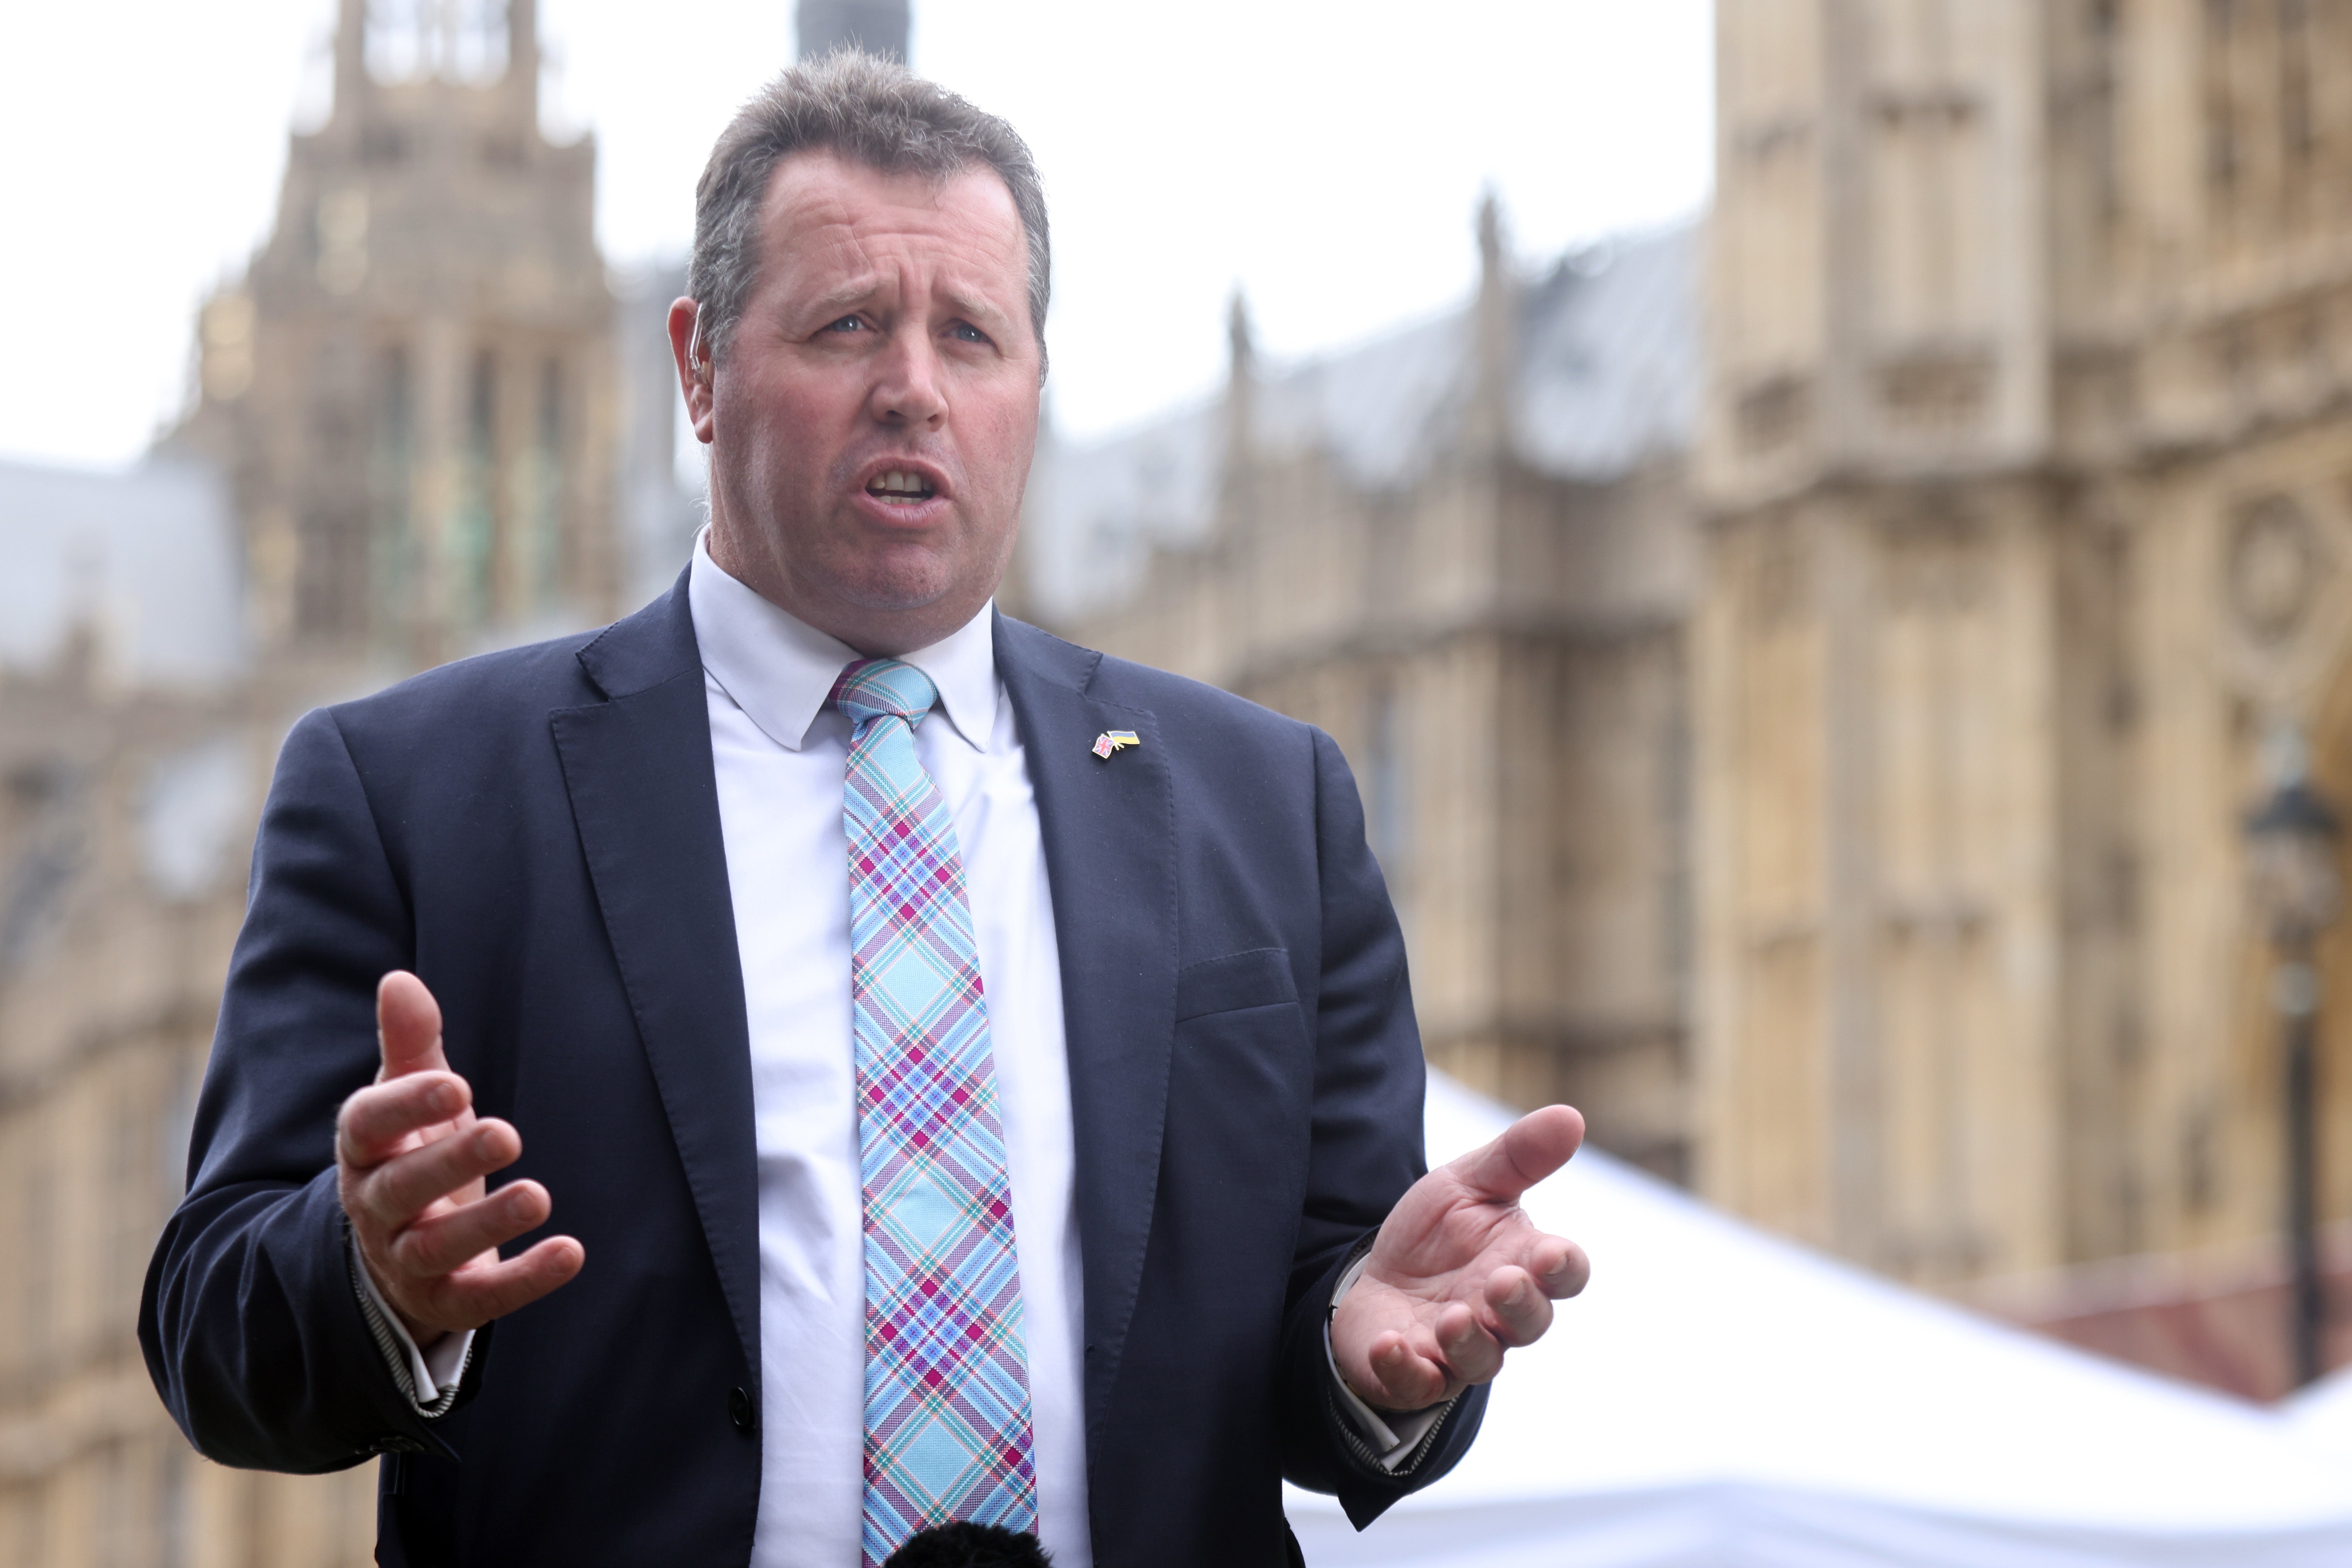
900,486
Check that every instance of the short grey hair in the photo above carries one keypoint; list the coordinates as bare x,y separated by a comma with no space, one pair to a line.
872,112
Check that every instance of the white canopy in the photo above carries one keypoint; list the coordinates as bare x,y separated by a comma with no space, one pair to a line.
2322,1414
1720,1396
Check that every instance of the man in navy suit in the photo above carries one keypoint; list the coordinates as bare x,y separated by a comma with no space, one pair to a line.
557,913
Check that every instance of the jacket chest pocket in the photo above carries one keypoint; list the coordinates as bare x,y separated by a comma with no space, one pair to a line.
1257,978
1243,1078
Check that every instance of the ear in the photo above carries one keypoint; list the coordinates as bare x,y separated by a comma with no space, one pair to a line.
695,373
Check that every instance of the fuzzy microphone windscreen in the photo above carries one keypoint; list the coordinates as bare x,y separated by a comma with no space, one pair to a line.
962,1545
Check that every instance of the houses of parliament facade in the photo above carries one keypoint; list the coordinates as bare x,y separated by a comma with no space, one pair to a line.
1806,670
406,412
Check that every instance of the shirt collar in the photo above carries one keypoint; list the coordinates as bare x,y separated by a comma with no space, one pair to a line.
780,670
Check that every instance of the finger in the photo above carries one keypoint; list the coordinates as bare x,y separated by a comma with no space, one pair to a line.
1469,1352
1405,1381
474,1295
442,1243
408,1027
403,1187
1560,1266
1517,1311
374,1120
1530,1149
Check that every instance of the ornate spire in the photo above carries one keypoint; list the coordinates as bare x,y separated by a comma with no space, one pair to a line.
1491,343
350,56
1241,415
1241,380
1238,342
522,59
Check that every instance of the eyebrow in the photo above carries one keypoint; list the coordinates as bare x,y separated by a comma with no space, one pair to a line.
840,301
980,311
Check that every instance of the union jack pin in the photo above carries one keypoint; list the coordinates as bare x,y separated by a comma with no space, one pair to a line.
1111,741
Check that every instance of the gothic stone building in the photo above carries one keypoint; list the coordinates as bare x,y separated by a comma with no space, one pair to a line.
1465,550
2026,464
2013,512
412,435
405,385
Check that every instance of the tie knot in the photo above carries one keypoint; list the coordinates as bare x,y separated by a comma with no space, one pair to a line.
869,688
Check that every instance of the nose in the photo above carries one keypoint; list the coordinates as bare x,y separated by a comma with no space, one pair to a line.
908,392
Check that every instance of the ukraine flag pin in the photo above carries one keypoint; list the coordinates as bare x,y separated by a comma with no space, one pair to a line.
1111,741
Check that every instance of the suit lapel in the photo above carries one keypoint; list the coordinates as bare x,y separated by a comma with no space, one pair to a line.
644,795
1111,859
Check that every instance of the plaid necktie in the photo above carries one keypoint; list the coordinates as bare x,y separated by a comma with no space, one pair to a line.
946,1385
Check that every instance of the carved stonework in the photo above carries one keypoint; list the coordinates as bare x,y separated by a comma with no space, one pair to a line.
1936,568
1936,389
1774,412
1780,581
2276,568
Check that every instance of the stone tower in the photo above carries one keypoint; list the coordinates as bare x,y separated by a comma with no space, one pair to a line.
877,26
2031,491
1882,767
411,387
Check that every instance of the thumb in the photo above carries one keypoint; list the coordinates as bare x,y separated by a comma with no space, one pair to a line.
1530,1149
408,1027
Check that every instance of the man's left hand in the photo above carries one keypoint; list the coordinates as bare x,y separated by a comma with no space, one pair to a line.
1459,1274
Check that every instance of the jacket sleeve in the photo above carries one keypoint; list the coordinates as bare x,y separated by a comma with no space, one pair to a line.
248,1320
1367,1149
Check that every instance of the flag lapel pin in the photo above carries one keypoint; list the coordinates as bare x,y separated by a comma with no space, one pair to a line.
1111,741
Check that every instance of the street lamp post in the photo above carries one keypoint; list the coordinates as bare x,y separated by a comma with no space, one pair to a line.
2290,855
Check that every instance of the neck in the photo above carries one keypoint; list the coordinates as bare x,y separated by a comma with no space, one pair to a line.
875,632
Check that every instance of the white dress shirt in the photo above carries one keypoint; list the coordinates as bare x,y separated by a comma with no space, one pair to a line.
782,755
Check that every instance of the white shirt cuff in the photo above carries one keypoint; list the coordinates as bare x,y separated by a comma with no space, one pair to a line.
431,1377
1392,1435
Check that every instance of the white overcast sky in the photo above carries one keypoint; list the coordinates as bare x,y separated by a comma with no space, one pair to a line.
1324,156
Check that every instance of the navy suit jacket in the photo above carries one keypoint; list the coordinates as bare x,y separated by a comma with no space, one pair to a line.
535,834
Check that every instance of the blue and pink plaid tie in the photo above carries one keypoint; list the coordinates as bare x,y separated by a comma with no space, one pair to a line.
947,1384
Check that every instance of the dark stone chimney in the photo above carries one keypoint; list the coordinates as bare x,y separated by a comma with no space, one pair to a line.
878,26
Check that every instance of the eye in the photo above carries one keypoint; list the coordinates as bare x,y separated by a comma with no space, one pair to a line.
845,324
964,331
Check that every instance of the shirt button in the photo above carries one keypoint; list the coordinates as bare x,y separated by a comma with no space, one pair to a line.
739,1409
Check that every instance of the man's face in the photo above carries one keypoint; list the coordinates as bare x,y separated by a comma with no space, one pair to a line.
872,423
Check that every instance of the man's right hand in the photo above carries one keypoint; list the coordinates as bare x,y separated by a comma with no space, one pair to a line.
410,1159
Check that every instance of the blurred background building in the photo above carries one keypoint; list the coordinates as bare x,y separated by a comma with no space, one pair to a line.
1818,744
1806,669
2023,462
1469,551
426,422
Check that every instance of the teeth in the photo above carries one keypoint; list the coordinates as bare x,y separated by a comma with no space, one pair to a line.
899,482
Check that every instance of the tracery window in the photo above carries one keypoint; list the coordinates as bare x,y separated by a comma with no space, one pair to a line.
454,40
